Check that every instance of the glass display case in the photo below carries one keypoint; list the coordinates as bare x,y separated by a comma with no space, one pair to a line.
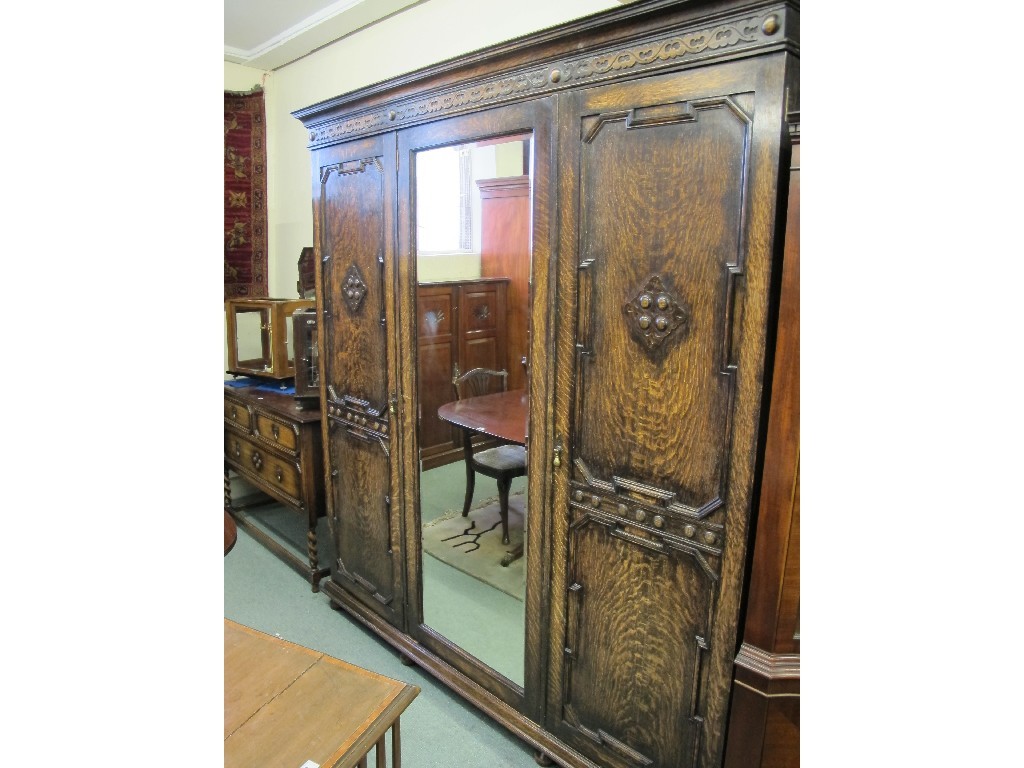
259,336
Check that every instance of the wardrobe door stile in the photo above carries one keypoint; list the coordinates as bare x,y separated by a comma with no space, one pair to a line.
669,221
354,209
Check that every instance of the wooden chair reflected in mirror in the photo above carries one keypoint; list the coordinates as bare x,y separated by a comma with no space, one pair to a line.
504,462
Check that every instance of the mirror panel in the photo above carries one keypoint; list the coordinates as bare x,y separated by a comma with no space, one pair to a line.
473,255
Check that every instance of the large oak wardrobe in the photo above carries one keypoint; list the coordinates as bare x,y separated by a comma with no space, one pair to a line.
661,364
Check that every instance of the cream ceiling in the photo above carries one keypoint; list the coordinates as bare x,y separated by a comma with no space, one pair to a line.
267,34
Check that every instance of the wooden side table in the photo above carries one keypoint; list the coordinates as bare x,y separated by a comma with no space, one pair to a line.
276,446
286,705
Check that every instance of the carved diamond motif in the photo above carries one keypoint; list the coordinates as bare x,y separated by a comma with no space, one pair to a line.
655,313
353,288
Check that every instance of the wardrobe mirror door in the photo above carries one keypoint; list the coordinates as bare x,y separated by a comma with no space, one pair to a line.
471,239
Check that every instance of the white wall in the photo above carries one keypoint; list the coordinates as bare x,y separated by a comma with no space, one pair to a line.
415,38
239,78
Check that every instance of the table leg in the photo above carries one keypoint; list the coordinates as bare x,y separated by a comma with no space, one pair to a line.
227,489
396,745
512,555
467,448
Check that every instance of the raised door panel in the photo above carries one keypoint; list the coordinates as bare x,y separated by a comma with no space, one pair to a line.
436,345
483,322
354,210
675,239
481,353
638,623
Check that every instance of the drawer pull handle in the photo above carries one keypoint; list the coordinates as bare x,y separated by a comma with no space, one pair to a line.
234,413
238,450
278,474
275,431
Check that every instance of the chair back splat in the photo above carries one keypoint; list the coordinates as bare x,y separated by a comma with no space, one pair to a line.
479,381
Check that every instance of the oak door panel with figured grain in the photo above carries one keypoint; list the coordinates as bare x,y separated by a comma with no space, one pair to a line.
675,239
649,238
638,623
352,188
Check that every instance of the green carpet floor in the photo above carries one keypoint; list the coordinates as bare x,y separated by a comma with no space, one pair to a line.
438,729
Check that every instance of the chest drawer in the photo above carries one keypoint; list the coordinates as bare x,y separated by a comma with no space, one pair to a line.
277,432
237,414
276,474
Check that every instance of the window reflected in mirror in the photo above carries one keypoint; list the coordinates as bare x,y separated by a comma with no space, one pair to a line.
473,254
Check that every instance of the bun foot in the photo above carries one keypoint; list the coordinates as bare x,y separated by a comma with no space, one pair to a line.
543,759
406,661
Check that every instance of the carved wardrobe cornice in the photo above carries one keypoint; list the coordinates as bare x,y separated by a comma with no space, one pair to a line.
530,67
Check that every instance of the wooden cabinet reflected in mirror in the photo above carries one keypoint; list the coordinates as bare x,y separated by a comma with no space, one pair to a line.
461,325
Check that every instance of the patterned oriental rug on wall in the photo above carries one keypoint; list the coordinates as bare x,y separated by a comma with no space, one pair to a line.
245,195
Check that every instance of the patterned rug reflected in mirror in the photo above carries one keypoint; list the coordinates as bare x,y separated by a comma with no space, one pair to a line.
473,544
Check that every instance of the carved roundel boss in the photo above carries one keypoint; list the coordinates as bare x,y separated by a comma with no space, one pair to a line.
655,313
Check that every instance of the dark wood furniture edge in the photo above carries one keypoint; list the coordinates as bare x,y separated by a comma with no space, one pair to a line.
230,532
278,407
301,565
764,710
763,728
430,283
504,186
517,723
279,496
770,666
494,682
297,563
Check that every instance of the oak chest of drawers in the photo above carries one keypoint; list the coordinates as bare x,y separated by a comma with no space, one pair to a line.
276,446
